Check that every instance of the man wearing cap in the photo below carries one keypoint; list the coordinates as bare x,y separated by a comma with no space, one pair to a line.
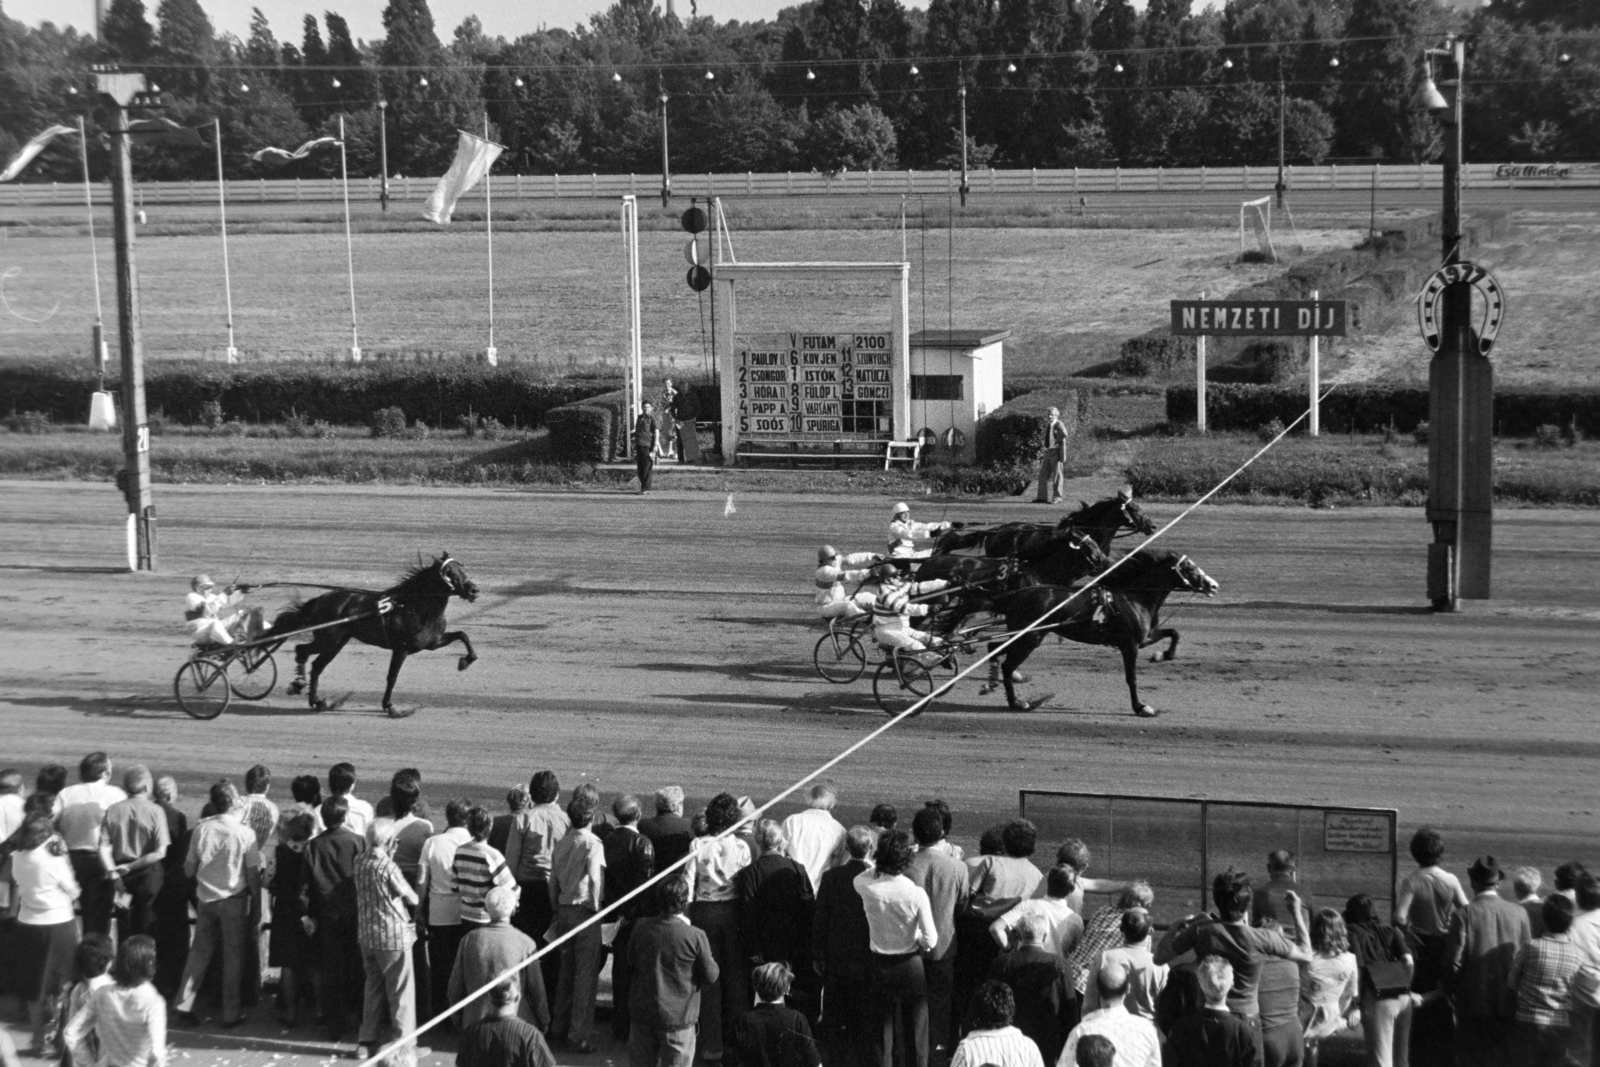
893,609
1135,1038
1052,477
210,615
1484,939
904,534
833,570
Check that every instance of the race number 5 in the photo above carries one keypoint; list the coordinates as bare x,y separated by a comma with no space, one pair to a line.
385,605
142,438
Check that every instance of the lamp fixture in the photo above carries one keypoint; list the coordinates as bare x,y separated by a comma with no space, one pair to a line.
1011,68
1428,97
1117,68
423,81
517,82
914,70
337,83
244,88
1227,64
1334,62
616,77
811,75
710,77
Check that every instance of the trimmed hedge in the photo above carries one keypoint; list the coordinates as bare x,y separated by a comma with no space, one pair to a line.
1372,408
277,392
1012,435
580,433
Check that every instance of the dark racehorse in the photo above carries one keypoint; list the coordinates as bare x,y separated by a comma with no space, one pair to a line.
1102,520
407,618
1126,616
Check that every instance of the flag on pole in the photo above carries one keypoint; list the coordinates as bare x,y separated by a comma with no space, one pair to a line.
164,131
31,150
474,157
280,156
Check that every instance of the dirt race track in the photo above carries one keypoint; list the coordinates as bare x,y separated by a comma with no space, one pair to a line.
636,641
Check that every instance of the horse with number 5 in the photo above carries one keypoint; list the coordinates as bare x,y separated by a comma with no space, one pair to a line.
408,617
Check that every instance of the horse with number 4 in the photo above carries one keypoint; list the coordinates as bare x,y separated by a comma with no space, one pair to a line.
1122,611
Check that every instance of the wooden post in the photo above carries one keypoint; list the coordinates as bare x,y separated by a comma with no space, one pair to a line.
1313,375
1200,380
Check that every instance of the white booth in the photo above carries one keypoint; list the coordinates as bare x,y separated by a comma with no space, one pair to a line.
957,378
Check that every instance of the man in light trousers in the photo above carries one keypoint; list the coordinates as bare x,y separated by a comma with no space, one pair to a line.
386,935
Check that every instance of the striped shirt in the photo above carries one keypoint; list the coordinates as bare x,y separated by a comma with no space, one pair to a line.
1542,977
1005,1047
1135,1038
381,895
478,867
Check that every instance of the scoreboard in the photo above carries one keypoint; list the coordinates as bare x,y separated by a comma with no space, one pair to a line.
823,386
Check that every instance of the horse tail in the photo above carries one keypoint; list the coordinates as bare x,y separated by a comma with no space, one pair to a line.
286,621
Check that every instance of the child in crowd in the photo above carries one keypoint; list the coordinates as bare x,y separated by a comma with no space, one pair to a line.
771,1034
1214,1037
89,966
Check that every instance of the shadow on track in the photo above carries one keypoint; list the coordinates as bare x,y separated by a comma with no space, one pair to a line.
1325,609
772,670
42,569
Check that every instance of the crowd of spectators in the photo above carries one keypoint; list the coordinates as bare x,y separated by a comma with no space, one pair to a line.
787,943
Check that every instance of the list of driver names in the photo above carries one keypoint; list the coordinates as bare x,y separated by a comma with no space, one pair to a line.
796,384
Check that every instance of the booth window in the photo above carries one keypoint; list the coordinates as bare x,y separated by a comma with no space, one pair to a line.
936,387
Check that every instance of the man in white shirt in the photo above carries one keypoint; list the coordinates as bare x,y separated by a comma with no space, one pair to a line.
10,818
900,927
1136,1040
225,864
993,1040
80,812
816,838
1063,926
441,903
342,783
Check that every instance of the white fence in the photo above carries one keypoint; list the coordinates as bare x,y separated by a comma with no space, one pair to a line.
1073,182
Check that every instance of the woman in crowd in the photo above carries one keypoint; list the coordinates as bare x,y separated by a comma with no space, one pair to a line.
1328,985
715,910
127,1018
289,946
46,933
1385,1012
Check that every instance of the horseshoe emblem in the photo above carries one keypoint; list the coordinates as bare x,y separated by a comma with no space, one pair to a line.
1494,303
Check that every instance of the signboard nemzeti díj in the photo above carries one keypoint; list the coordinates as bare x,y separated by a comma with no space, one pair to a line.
1258,318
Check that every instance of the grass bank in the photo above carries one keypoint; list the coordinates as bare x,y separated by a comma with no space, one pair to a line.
1332,470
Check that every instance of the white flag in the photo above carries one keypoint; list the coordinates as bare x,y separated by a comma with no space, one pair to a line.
283,155
474,157
32,149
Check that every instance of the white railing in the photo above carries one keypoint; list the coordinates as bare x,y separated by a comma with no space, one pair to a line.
1054,183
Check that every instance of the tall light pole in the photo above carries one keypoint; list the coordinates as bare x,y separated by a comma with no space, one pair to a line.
120,91
383,153
666,167
1282,103
962,94
1460,382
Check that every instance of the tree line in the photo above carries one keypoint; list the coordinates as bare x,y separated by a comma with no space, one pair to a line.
833,85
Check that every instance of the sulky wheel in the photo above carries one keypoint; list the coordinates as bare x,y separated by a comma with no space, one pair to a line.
839,657
202,689
253,681
896,692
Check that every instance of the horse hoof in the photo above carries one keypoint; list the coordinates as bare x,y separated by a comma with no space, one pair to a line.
1145,711
319,705
1018,678
399,713
296,687
1036,703
1156,657
465,661
987,687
